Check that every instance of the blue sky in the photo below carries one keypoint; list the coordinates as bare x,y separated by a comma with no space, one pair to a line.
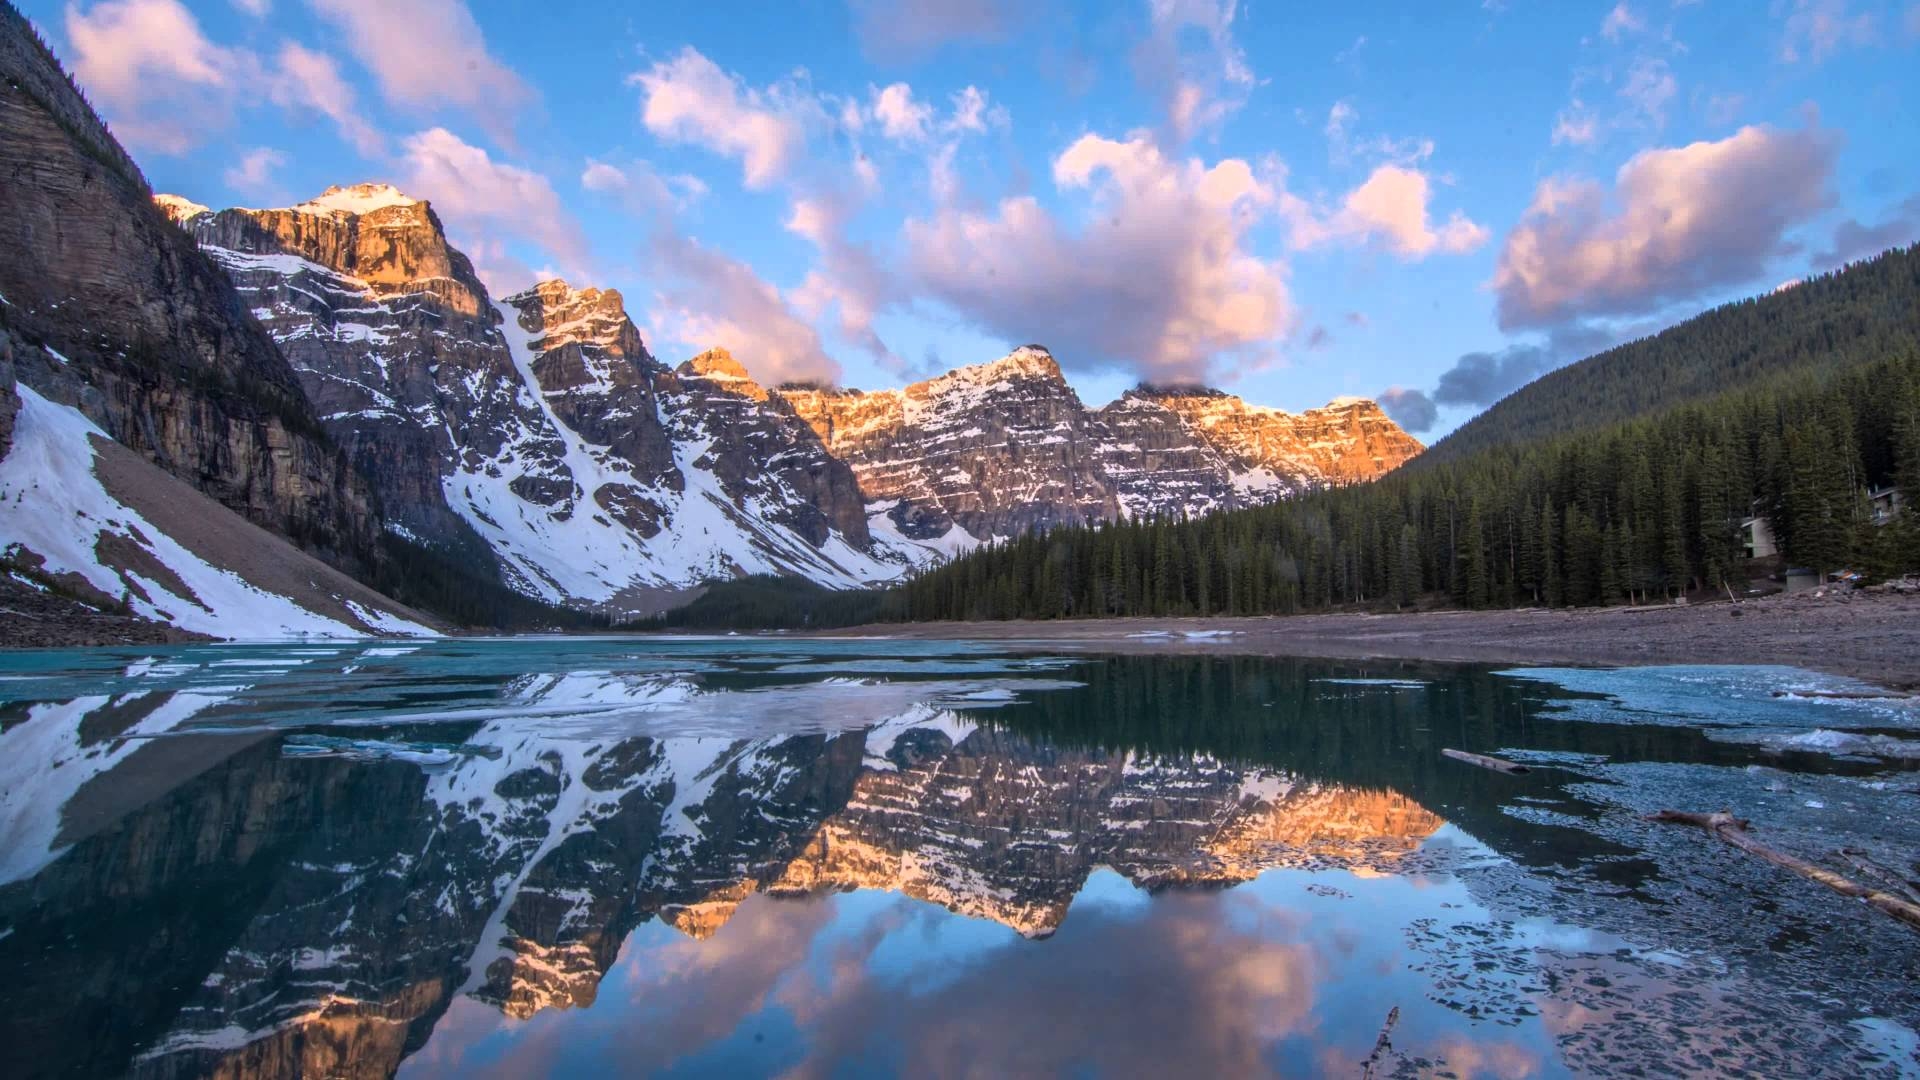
1293,202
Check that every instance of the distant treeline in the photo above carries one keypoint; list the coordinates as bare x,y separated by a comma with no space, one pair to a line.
1632,511
768,602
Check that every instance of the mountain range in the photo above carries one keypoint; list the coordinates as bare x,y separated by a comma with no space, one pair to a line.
335,372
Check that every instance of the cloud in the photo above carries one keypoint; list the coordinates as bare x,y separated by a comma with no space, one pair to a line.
1853,239
256,8
306,79
1576,125
972,114
850,278
428,54
1156,278
1678,223
1817,29
253,175
1389,208
1620,22
708,298
1412,409
690,99
896,30
640,188
1190,60
1648,89
899,115
152,73
491,204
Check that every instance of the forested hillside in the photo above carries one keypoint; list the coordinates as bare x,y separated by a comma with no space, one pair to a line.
1634,510
1861,314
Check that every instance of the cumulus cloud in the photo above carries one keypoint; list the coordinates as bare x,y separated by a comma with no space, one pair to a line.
1411,409
899,115
152,72
1854,239
972,114
1191,61
690,99
894,30
1817,29
1389,208
490,204
253,174
1648,90
849,278
1157,277
1679,222
707,298
428,54
310,80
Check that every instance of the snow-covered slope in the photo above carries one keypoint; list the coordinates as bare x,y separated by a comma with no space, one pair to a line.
199,567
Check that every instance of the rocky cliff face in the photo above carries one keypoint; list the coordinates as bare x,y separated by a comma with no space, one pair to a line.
140,331
1000,448
1270,450
536,431
995,450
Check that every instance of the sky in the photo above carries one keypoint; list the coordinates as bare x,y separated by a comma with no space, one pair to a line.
1426,202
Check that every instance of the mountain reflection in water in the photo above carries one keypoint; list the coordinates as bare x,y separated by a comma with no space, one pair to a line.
749,857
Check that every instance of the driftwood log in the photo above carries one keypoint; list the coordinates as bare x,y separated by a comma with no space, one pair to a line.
1485,762
1733,830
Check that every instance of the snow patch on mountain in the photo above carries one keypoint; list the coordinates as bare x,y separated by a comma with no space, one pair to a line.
54,508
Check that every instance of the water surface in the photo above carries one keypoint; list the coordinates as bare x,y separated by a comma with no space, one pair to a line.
745,856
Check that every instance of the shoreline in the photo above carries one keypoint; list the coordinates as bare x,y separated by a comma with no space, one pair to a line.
1871,636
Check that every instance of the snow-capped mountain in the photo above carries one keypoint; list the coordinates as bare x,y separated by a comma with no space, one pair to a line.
539,432
1003,447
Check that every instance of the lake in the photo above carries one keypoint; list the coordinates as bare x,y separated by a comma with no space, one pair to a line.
762,855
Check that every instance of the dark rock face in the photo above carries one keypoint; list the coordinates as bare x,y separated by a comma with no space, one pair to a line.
161,352
762,452
395,341
1159,465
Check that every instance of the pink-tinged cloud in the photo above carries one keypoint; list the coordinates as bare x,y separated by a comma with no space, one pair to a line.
430,54
690,99
489,204
641,188
1191,62
895,30
253,175
900,116
1157,277
306,79
1389,209
849,278
1679,222
1620,22
705,298
1817,29
147,66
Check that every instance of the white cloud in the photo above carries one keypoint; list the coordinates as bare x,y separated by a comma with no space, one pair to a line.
1648,89
256,8
1390,208
428,54
850,278
1620,22
1157,277
1576,125
491,204
1817,29
891,30
972,114
311,80
253,174
1192,62
1679,222
641,188
901,117
690,99
152,73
